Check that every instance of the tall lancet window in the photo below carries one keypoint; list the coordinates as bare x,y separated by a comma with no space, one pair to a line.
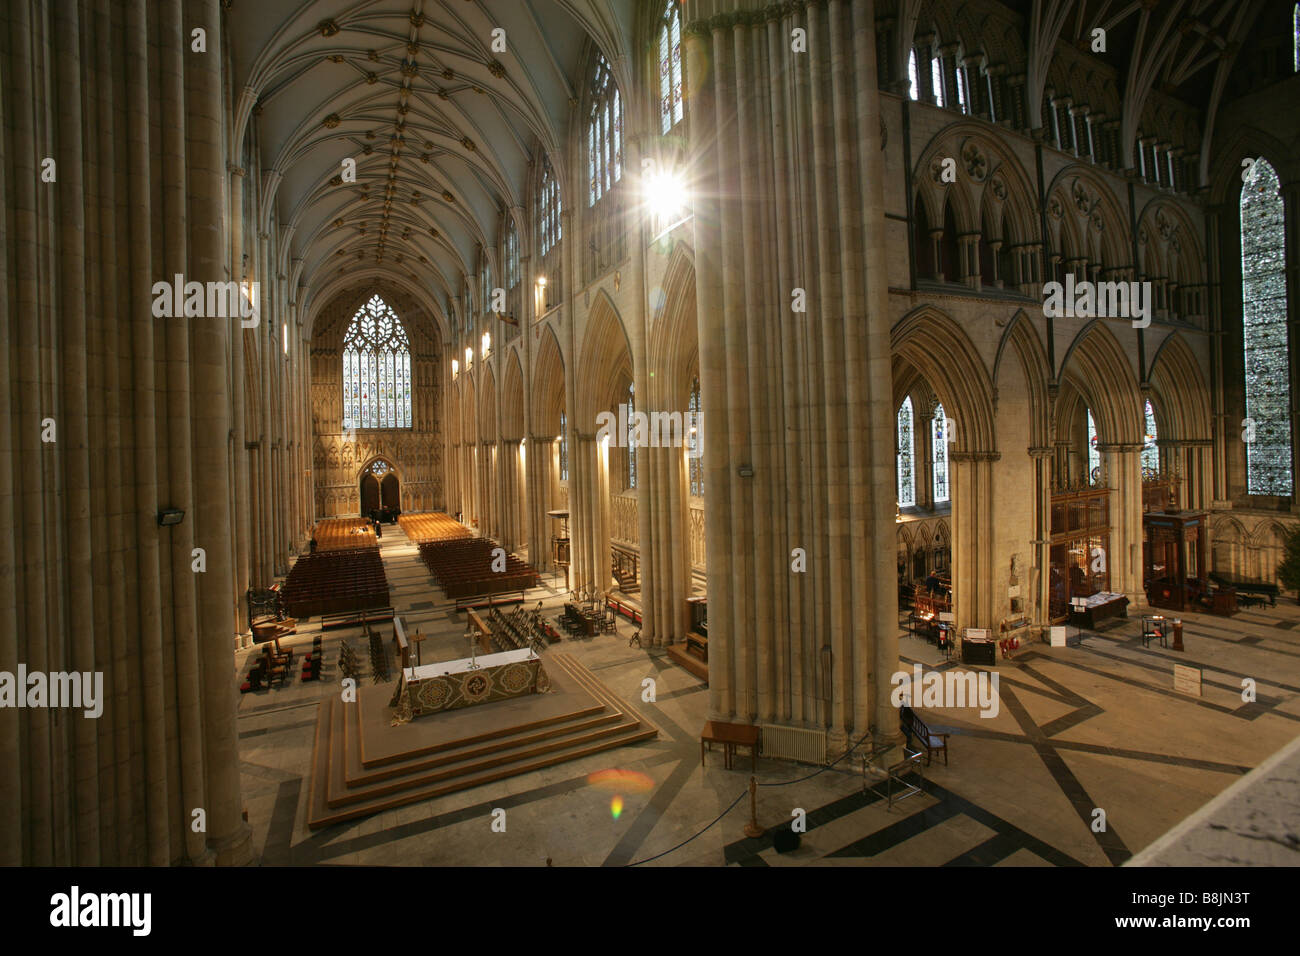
939,450
936,78
564,448
631,435
1150,453
906,459
376,369
694,438
604,133
1094,453
671,85
913,77
1264,309
548,207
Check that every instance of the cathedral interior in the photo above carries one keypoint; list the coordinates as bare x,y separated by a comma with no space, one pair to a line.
548,340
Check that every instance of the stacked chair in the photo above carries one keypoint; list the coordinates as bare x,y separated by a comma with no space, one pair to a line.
349,664
311,664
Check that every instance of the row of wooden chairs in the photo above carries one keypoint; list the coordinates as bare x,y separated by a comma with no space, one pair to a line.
434,526
325,583
465,568
344,534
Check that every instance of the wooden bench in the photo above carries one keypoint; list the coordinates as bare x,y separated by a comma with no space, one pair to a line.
374,615
698,644
930,742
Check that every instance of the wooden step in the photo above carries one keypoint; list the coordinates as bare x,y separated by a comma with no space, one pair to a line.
333,800
677,652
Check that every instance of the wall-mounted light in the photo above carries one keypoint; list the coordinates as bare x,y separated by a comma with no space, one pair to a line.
469,357
541,281
455,368
486,344
170,516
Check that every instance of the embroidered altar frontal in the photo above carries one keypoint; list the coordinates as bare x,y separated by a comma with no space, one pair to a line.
488,683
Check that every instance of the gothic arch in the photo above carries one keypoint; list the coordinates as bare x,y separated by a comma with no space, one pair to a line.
1022,338
604,361
1165,229
1098,368
1184,405
941,351
548,385
1079,196
674,333
512,398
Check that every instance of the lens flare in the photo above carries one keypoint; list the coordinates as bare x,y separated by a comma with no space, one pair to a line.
614,780
616,807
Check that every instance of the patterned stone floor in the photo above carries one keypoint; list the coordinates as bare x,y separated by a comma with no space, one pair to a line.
1079,729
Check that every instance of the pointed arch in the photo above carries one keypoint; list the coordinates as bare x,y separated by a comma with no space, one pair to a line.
1182,396
1021,337
935,345
547,385
512,398
604,362
674,332
1098,368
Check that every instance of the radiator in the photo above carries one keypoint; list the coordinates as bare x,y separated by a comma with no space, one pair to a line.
794,743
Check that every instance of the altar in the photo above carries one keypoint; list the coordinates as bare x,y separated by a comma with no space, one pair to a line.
447,685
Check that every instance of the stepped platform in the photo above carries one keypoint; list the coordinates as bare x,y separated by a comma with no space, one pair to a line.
678,654
362,765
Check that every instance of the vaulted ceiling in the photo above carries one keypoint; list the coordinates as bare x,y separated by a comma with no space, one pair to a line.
441,125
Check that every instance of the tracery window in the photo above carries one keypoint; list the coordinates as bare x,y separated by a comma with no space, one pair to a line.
1094,453
695,459
671,85
376,369
604,133
939,450
1150,452
906,459
548,207
1264,332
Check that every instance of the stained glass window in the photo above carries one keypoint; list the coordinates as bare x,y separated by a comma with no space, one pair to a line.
631,435
936,79
1295,31
548,207
913,76
512,255
1150,453
670,66
939,448
695,459
376,369
564,448
604,133
906,461
1264,310
961,89
1094,453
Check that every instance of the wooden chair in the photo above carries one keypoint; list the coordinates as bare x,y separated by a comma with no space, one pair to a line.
929,742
